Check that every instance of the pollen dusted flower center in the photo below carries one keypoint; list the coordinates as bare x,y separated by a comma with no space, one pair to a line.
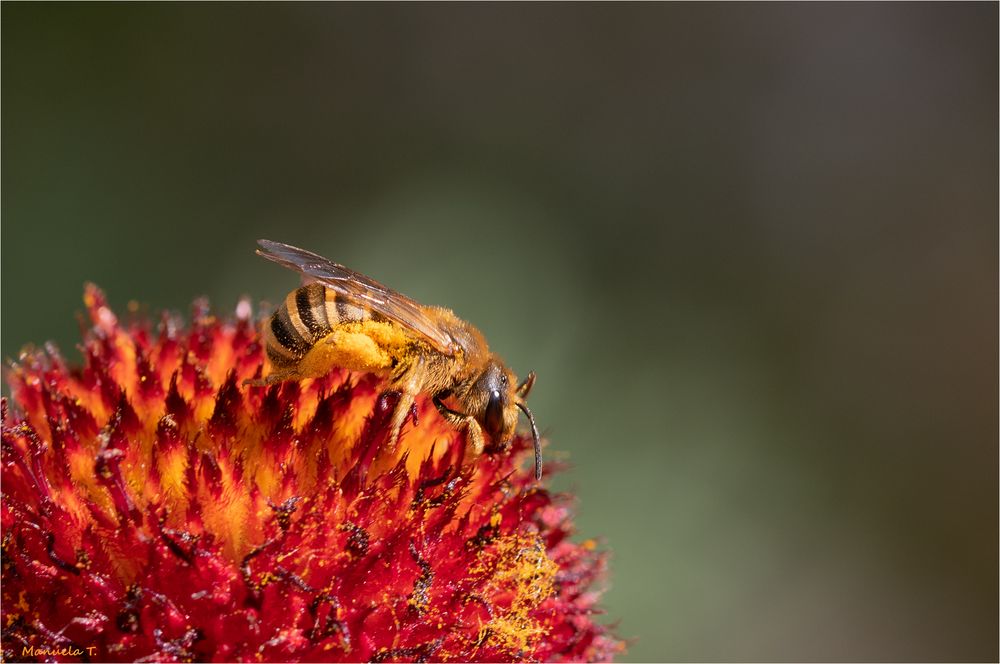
156,508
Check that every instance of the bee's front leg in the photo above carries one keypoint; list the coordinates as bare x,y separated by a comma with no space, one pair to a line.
462,421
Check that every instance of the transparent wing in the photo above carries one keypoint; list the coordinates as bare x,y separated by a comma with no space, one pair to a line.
362,290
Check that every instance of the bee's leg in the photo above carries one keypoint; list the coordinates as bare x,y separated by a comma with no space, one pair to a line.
462,421
452,417
399,415
475,435
408,380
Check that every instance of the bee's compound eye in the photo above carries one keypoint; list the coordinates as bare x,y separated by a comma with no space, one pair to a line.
494,414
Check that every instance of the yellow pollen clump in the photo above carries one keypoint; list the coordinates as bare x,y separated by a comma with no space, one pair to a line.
367,346
524,570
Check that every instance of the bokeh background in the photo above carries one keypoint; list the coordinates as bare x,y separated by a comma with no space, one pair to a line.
751,250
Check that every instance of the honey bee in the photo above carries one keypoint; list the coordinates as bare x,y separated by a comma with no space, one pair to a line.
341,318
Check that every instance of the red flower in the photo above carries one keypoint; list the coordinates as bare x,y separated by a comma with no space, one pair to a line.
156,509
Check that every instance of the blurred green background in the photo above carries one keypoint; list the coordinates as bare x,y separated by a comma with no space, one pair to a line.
751,250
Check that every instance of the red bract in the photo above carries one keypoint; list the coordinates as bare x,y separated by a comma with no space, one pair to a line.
155,508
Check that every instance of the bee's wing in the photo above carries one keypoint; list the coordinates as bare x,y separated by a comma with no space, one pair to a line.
362,290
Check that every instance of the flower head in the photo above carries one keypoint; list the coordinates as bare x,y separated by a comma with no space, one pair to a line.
156,508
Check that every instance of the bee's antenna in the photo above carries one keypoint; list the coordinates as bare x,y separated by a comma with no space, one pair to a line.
525,386
534,435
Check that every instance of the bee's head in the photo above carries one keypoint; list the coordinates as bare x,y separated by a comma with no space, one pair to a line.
498,398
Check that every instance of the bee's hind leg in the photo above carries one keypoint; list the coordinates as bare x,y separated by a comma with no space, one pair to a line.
462,421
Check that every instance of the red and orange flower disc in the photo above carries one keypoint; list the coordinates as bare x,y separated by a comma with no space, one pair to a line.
154,508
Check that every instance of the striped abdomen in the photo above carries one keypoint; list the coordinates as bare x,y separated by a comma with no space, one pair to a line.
306,316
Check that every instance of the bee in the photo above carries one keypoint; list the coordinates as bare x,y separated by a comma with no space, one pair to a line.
341,318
